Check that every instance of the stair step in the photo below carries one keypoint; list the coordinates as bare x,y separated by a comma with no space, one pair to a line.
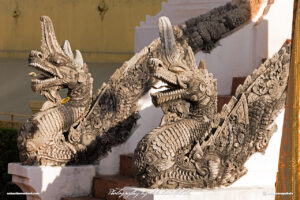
126,165
222,99
80,198
103,184
236,81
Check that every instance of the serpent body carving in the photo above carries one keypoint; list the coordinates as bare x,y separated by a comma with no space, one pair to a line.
85,128
195,146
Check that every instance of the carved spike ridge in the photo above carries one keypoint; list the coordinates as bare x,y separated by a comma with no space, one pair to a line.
67,49
49,42
167,38
78,58
202,65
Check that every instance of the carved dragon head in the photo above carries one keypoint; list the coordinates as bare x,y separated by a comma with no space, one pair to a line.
58,66
177,68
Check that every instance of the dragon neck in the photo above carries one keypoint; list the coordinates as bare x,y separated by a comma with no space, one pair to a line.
81,94
199,111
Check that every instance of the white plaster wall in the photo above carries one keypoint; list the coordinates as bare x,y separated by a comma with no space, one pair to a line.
236,55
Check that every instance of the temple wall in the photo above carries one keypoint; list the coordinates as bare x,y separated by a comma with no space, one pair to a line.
107,37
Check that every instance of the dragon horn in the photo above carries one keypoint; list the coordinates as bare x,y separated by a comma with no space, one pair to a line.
49,42
78,58
167,38
67,49
202,65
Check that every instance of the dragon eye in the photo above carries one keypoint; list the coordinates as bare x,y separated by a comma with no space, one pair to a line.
40,55
57,60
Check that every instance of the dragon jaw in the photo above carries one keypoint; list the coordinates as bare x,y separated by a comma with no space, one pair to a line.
49,76
175,86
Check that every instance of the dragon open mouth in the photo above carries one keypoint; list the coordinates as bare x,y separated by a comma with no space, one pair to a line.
46,77
174,88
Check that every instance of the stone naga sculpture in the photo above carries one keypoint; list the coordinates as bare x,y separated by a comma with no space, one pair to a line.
41,138
84,129
195,146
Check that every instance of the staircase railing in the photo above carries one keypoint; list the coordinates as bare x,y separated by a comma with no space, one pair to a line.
11,122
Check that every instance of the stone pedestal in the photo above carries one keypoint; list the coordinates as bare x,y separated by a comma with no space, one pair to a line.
232,193
52,183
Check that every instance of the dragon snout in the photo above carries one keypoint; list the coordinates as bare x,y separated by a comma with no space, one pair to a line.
34,54
155,64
